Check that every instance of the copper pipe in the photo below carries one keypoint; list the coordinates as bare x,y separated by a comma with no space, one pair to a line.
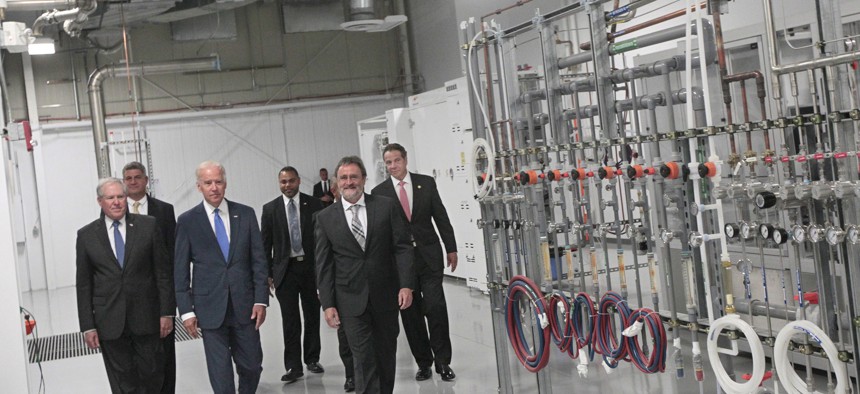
761,92
746,111
721,59
660,19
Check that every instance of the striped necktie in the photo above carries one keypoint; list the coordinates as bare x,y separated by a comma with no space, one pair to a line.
356,227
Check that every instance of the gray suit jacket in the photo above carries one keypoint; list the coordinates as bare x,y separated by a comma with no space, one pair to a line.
242,277
349,278
111,298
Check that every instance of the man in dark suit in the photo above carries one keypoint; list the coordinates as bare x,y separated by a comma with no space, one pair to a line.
218,243
421,207
125,299
322,189
136,181
364,273
287,227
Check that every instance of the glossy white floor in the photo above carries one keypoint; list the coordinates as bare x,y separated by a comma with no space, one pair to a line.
473,361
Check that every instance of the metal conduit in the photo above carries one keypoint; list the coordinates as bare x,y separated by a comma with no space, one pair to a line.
97,110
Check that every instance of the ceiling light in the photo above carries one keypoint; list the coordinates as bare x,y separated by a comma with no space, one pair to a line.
41,46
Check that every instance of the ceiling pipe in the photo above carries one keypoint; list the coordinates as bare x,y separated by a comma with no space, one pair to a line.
72,19
97,106
39,5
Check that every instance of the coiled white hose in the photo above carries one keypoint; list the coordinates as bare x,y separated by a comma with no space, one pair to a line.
787,376
726,382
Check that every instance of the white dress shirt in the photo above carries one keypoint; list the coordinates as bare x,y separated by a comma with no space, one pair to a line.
109,224
142,209
362,213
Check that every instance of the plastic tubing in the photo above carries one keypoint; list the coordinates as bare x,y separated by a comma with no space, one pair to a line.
612,346
537,360
656,362
792,382
561,330
583,316
728,384
487,146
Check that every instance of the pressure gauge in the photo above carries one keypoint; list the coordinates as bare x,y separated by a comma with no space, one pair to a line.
765,200
816,233
835,235
731,230
780,236
748,229
798,233
852,232
765,230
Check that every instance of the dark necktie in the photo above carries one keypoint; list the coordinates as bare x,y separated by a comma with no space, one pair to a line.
118,244
221,234
295,230
357,231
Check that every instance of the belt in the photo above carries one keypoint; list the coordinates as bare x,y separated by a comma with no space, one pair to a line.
297,259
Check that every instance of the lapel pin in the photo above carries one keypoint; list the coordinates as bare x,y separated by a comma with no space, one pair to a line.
419,186
131,224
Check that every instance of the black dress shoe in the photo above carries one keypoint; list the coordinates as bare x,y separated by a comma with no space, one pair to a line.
446,372
423,374
292,375
315,368
349,386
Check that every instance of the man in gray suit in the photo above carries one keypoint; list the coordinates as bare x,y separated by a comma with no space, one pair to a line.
125,302
218,243
364,273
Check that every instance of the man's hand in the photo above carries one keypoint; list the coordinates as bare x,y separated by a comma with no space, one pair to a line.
325,198
332,318
259,313
166,325
191,326
452,261
92,339
271,287
404,298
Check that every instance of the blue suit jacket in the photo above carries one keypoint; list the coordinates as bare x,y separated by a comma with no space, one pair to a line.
242,277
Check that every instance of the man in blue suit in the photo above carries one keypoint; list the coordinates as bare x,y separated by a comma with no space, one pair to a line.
218,243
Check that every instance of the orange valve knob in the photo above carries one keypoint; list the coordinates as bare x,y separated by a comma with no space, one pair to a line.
578,174
707,170
635,171
670,170
529,177
482,179
606,172
554,175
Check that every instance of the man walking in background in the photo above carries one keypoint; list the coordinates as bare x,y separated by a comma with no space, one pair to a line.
322,189
140,202
124,292
218,243
421,206
288,228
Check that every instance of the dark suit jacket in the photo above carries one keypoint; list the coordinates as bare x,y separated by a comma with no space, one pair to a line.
243,276
426,205
276,233
110,298
349,278
318,192
166,220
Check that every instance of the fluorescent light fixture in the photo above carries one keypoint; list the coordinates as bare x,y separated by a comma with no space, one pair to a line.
41,46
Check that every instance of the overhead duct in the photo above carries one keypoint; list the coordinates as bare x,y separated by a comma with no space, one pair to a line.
72,19
97,106
363,15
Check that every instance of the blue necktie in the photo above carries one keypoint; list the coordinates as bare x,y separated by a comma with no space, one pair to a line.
295,230
221,234
118,244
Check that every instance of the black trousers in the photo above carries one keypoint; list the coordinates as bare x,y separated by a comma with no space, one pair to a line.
299,286
134,363
168,343
345,352
428,302
372,338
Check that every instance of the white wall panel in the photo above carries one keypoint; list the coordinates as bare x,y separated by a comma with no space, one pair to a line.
252,144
